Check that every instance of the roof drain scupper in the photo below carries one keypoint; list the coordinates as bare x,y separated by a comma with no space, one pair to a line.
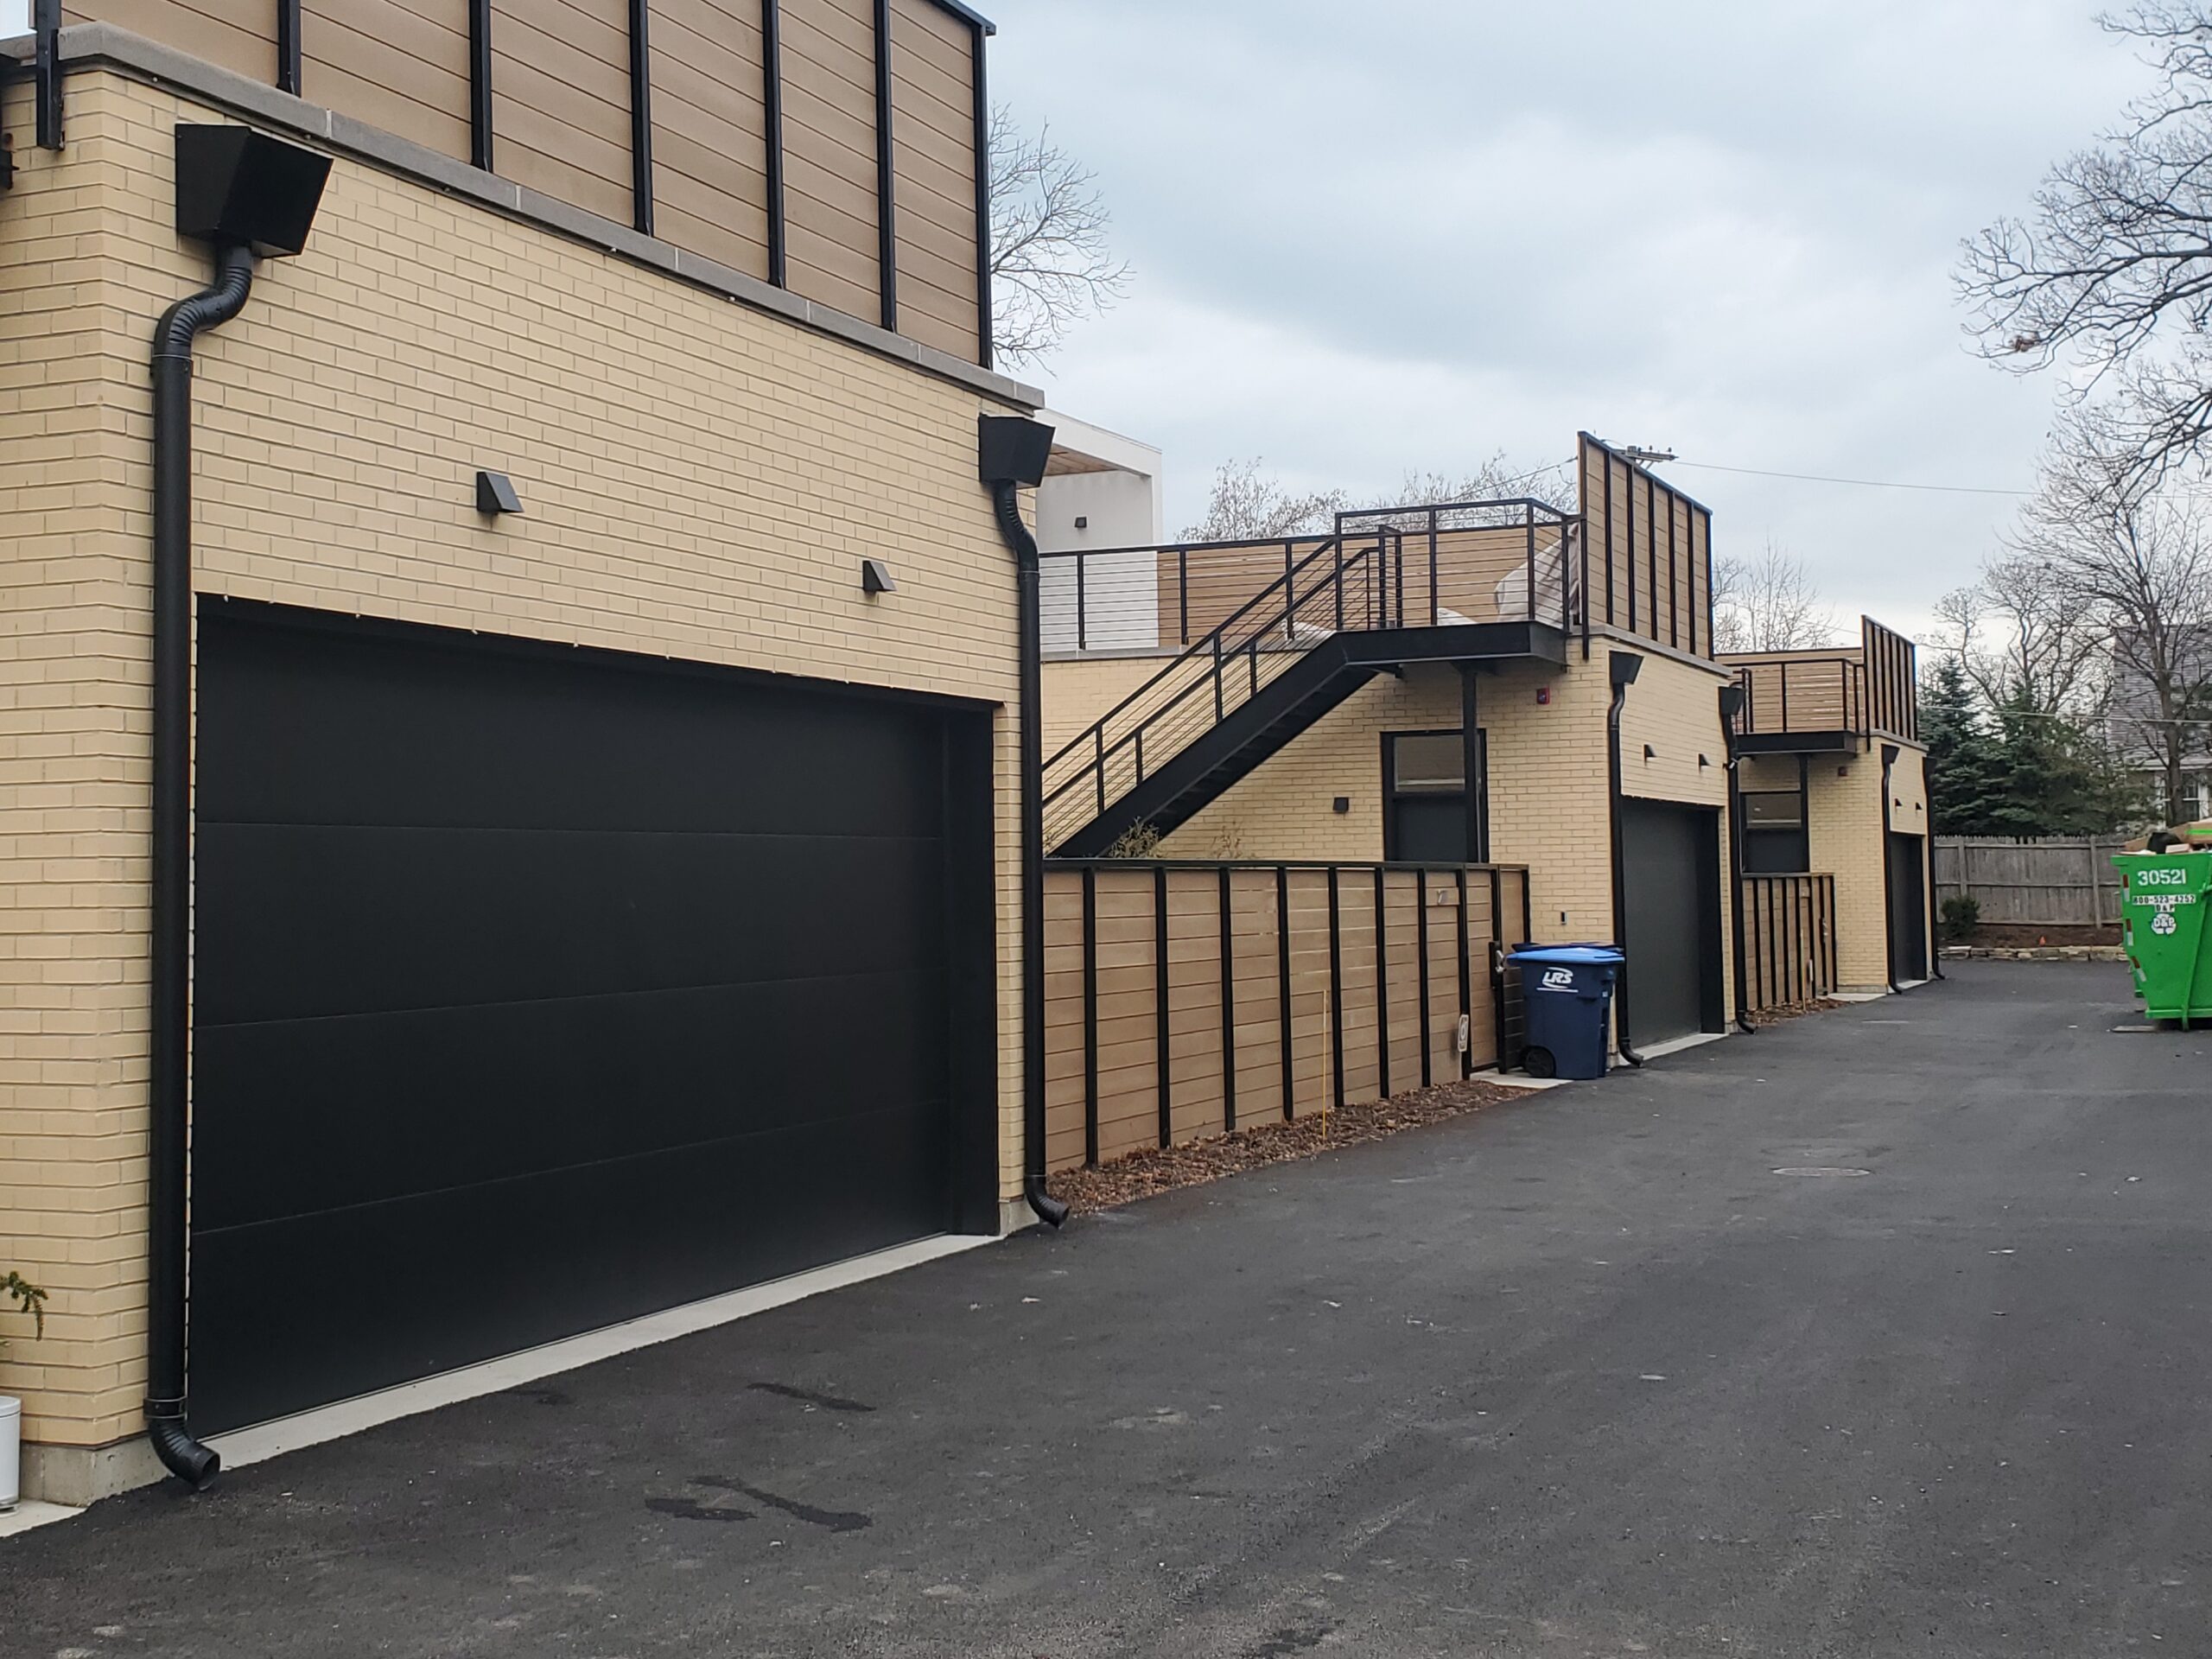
1012,452
241,192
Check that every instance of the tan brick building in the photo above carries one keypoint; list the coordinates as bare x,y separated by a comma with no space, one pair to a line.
1381,772
1834,781
526,842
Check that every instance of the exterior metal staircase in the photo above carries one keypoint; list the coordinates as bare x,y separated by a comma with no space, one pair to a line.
1355,604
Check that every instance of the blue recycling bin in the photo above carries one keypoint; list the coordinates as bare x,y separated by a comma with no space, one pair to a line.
1566,991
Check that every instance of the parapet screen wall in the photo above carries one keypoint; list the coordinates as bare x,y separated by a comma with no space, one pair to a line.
1650,553
701,151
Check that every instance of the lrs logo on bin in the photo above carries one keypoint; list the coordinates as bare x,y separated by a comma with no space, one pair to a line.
1558,979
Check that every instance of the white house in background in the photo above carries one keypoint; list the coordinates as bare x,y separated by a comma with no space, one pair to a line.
1101,491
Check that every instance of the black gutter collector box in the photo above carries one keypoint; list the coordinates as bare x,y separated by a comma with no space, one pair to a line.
238,187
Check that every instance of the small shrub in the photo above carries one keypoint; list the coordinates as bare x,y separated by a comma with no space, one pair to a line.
1138,840
1962,915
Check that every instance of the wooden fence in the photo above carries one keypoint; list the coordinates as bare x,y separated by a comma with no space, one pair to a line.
1182,999
2059,881
1789,950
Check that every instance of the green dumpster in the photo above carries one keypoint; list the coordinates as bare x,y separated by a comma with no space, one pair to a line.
2162,910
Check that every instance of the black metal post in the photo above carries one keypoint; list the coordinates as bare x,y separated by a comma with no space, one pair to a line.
1467,981
1382,983
1090,1017
1420,948
479,83
641,119
1228,1013
886,177
1336,989
1470,760
45,72
1162,1077
1729,706
287,47
772,115
984,320
1890,752
1282,990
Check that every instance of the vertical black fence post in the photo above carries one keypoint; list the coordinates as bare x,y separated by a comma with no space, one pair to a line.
1160,1078
1183,591
1336,990
45,72
1289,593
1090,1018
1282,989
1082,608
1381,982
1421,946
1466,980
479,83
1528,612
287,47
1228,1012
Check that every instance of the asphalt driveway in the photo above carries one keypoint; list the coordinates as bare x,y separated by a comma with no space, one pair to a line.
1582,1375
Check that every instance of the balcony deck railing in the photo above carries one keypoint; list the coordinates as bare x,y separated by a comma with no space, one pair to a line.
1369,578
1859,690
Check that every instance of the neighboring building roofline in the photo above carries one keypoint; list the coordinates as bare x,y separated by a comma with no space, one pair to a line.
104,44
1111,449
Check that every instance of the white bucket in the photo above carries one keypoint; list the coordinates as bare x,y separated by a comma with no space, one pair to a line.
11,1452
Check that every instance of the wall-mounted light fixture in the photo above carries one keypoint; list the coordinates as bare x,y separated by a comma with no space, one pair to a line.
495,495
1342,804
1650,754
1702,763
1083,521
875,577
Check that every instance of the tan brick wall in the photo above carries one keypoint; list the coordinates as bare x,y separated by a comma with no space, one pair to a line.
700,480
1547,786
1844,831
1078,689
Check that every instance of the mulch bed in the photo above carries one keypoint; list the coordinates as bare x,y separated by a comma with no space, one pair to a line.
1153,1170
1775,1016
2019,935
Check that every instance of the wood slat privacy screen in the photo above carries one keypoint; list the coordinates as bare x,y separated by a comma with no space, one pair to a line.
1183,1001
1892,689
743,107
1650,552
1790,944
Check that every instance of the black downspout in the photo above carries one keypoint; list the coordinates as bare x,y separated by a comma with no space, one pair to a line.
168,1081
1622,676
1889,897
1927,877
1736,856
1005,497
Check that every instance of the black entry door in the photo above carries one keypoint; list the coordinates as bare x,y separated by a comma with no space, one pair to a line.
1908,909
535,992
1670,869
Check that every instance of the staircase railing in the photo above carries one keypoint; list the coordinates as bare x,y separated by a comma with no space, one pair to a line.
1340,584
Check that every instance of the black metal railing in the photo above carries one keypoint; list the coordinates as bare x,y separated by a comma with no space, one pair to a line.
1802,694
1244,611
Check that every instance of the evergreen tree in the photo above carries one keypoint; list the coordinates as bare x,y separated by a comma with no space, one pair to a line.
1966,791
2058,780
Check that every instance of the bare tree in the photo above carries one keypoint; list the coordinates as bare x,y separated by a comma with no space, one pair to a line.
1248,503
2022,641
2136,563
1769,603
1495,480
2114,268
1051,262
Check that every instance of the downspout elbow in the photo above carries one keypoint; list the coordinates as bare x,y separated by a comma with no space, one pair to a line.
191,1461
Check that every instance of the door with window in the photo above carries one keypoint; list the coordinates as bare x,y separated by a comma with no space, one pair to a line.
1426,800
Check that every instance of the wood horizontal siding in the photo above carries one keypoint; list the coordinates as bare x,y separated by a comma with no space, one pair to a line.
400,65
561,122
240,37
710,154
829,180
932,98
560,100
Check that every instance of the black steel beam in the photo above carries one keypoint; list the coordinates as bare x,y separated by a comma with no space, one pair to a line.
772,115
641,118
479,83
886,177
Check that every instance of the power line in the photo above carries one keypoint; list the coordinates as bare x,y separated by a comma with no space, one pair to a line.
1860,483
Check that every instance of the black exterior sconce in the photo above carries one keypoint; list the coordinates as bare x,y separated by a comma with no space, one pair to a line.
495,495
1342,804
1650,754
875,577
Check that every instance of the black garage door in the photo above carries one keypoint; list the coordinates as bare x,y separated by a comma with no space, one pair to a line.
1908,909
535,990
1670,866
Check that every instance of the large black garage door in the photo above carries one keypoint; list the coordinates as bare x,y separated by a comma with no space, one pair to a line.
1670,866
536,990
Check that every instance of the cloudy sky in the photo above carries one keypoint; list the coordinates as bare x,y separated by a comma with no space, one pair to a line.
1406,234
